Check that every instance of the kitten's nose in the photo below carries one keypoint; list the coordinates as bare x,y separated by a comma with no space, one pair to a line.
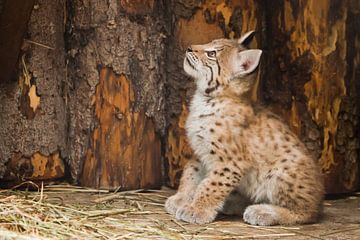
189,49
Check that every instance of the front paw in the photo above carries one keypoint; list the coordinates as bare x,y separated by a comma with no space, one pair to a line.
176,201
199,215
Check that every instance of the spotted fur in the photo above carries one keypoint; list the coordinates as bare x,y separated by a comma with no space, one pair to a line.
247,161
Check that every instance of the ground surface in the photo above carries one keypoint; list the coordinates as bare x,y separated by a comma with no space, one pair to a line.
136,215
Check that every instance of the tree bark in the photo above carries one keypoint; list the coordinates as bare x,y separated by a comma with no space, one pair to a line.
308,75
33,111
102,96
116,68
311,72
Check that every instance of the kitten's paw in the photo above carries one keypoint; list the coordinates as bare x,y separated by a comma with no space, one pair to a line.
192,214
262,215
176,201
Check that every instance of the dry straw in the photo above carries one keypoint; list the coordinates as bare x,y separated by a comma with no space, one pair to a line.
43,214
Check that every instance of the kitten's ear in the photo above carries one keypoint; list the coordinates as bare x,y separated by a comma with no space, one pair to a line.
247,61
246,39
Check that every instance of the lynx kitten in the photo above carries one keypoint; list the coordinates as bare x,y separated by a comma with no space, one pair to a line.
247,161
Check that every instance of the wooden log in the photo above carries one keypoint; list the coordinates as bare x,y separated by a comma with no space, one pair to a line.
308,72
33,121
14,16
117,101
310,80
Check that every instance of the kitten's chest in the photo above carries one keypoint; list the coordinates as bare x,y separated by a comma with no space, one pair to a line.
199,123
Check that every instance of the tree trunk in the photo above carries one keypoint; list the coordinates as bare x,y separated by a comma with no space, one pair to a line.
32,112
101,93
116,68
308,75
310,79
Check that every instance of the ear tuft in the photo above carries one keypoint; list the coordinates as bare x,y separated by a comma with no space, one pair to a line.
248,61
246,39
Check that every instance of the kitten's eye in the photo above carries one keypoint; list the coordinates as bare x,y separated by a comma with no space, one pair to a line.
211,54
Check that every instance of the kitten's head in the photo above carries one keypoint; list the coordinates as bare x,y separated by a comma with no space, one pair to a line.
223,64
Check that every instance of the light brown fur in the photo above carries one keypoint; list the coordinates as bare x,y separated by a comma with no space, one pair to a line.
248,161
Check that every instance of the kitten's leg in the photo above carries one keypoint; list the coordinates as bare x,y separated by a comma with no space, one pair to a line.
210,196
295,197
189,181
235,204
268,214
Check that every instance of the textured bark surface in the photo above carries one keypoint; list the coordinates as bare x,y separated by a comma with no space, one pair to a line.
124,149
114,136
32,110
12,29
314,56
308,74
101,93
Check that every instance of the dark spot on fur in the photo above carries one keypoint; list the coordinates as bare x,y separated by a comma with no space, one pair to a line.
290,185
212,152
213,183
206,115
196,169
212,130
220,184
293,175
218,123
226,169
199,136
283,160
214,144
